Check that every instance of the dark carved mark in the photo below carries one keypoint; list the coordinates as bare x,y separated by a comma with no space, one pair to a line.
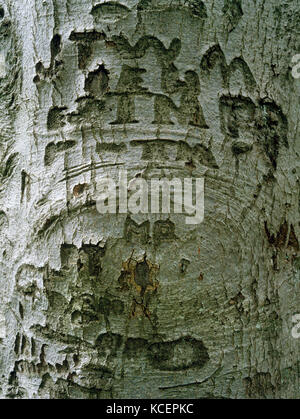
142,276
282,239
293,241
157,150
197,7
55,64
107,306
87,36
189,112
144,5
96,83
33,347
214,56
210,59
204,156
178,355
153,149
109,11
17,344
81,266
8,167
237,115
185,152
39,67
53,149
25,185
62,368
129,84
85,47
163,107
136,233
21,310
43,355
79,189
265,122
88,109
55,46
23,344
55,118
122,280
146,42
108,344
163,231
84,54
104,306
239,147
110,148
50,222
238,64
13,379
190,109
89,309
184,263
272,128
117,307
95,254
232,9
135,347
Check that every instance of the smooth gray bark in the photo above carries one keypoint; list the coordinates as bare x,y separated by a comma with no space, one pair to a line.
103,306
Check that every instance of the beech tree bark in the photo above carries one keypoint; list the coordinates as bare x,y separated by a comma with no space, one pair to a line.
145,306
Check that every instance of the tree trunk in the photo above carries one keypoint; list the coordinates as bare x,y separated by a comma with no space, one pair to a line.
144,305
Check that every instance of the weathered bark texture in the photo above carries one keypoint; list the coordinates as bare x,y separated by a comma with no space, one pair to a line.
99,306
